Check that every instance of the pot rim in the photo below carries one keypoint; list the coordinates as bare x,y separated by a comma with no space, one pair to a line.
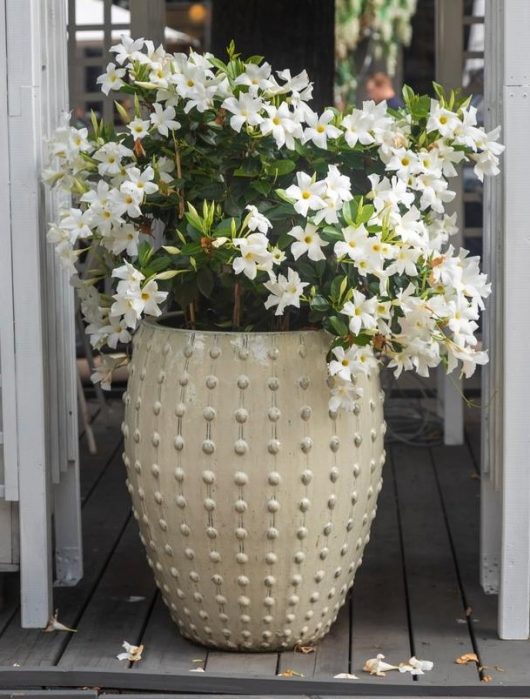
153,321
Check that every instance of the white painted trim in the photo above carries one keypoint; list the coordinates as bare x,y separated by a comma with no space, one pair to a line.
449,72
514,600
492,325
23,21
7,328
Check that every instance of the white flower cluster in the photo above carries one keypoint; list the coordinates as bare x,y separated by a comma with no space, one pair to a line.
406,295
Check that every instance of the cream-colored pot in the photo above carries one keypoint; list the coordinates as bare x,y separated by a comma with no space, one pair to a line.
254,503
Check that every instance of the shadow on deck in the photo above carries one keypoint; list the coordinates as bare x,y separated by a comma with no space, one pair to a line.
417,593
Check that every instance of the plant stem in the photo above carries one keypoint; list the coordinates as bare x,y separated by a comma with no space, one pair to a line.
236,315
192,314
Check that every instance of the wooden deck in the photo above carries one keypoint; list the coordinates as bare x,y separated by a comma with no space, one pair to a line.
417,593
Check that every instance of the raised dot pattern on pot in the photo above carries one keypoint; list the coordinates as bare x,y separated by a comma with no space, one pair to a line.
253,503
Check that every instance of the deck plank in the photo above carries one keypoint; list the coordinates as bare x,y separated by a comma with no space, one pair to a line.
165,649
461,496
246,664
112,617
104,517
432,579
379,611
108,440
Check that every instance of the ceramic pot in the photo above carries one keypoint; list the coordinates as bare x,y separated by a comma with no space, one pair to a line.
254,502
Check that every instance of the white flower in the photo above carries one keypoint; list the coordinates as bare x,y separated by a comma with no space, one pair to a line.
104,370
405,261
139,128
116,331
320,129
255,76
245,109
307,241
110,156
128,49
151,298
127,273
389,194
282,124
343,396
111,79
306,193
123,238
442,120
361,312
140,183
78,223
354,244
164,119
126,200
344,364
357,128
256,221
338,186
285,291
254,254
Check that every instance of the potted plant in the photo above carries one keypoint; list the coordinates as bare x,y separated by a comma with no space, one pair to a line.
295,252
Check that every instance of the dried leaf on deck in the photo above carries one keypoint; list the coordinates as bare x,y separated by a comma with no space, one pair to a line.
290,673
197,669
416,667
345,676
304,649
467,658
132,653
377,666
55,625
486,678
469,611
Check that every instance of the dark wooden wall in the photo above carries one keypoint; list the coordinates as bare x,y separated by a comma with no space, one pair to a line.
293,34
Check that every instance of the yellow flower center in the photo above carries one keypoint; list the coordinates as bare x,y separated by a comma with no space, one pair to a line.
443,119
145,296
277,121
308,239
345,362
306,195
320,128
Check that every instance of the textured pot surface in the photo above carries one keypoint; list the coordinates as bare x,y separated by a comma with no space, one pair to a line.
254,503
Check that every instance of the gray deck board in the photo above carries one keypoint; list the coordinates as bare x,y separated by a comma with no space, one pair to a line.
108,440
379,610
111,617
432,580
249,664
164,648
104,516
461,496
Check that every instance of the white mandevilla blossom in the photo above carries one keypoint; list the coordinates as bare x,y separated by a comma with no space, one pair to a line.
361,312
245,109
306,193
285,291
307,241
164,119
344,396
254,254
320,129
112,79
256,221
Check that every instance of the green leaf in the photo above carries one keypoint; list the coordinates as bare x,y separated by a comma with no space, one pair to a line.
319,303
261,186
338,325
205,281
280,167
145,251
